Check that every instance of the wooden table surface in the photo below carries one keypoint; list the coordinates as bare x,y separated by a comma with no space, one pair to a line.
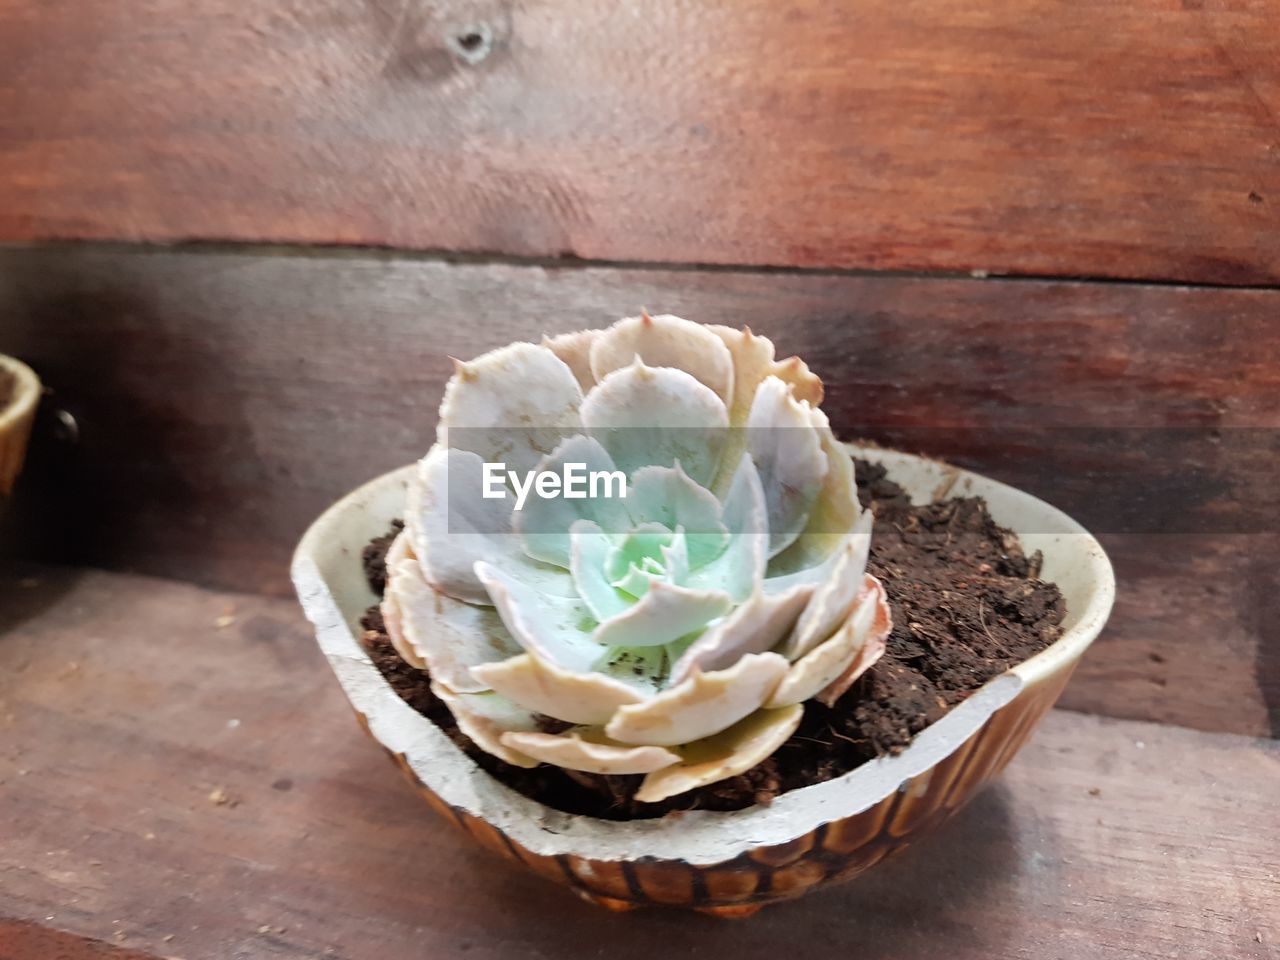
180,777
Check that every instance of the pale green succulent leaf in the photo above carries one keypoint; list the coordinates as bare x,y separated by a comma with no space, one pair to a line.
740,567
575,350
701,705
665,613
833,514
590,548
574,751
544,522
756,626
485,717
665,341
641,668
455,526
672,568
511,405
643,542
835,592
635,582
667,495
675,559
557,629
788,454
542,687
644,416
847,653
449,636
724,755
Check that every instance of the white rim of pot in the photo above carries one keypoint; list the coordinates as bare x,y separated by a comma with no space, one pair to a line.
698,837
26,392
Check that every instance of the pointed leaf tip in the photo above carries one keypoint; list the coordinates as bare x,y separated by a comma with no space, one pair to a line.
463,370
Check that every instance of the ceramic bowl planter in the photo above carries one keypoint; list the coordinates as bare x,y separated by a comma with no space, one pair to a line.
731,863
16,417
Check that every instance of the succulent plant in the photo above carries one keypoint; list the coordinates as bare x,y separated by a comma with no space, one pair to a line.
675,632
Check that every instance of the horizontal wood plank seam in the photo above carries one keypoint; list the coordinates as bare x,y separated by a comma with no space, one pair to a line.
498,258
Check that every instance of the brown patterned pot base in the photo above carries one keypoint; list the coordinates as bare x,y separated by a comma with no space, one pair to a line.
833,852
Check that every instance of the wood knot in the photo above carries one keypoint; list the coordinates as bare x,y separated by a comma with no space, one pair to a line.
471,44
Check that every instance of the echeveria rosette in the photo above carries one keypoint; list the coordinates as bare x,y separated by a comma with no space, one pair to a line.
678,631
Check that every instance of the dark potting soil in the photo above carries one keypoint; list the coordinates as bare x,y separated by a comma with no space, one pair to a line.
374,557
967,604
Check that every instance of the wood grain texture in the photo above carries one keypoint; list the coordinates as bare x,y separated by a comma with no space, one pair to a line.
1049,137
35,941
125,707
224,399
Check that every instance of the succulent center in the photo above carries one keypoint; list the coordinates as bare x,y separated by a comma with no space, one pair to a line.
639,558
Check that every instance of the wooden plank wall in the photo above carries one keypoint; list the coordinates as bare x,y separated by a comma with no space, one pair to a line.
1052,137
223,398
